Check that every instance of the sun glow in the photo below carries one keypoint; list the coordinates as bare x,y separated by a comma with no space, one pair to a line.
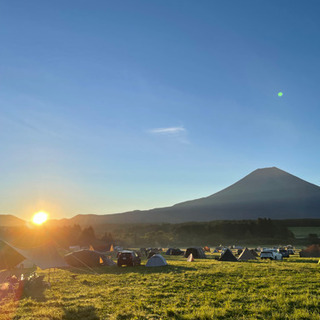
40,217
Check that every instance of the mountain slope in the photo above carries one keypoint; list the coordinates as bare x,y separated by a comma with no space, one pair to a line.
7,220
267,192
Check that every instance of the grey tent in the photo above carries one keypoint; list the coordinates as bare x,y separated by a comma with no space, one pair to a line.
254,252
246,255
227,255
45,256
156,260
197,253
87,258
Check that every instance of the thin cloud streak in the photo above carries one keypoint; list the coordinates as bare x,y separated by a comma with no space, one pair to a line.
178,134
170,130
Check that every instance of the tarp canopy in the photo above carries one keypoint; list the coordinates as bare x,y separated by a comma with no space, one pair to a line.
87,258
9,257
156,260
246,255
227,255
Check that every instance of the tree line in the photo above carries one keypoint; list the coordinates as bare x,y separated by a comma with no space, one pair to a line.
260,231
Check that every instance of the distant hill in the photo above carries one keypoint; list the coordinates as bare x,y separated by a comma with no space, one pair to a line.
268,192
7,220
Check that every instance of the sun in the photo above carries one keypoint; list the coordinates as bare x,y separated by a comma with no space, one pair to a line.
40,217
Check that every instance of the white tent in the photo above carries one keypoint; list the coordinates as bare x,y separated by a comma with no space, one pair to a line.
157,260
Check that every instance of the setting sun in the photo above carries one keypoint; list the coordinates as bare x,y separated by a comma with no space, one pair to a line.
40,217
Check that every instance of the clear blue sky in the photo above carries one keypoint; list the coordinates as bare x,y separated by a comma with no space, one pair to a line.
109,106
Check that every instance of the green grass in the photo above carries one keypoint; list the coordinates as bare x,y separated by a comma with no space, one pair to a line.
303,232
204,289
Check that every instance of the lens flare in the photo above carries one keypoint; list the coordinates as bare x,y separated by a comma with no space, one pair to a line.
280,94
39,217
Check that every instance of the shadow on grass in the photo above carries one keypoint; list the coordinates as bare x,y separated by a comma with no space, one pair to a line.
125,270
87,312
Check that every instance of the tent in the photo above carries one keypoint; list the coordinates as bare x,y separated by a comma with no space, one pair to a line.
246,255
254,252
312,251
227,255
190,258
156,260
197,253
9,258
174,252
87,258
45,256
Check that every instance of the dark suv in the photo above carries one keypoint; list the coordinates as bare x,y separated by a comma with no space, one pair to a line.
128,258
284,252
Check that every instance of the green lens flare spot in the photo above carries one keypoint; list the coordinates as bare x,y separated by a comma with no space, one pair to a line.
280,94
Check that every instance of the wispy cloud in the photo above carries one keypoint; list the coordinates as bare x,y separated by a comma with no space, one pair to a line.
168,131
177,133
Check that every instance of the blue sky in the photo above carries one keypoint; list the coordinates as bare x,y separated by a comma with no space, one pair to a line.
109,106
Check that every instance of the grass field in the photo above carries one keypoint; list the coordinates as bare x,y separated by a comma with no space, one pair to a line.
204,289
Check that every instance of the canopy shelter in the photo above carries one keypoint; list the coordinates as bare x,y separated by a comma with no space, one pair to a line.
156,260
9,257
227,255
87,258
246,255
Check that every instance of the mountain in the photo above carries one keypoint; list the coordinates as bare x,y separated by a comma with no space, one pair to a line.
264,193
7,220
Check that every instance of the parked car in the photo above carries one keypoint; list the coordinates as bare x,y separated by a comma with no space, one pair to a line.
290,251
271,254
284,252
128,258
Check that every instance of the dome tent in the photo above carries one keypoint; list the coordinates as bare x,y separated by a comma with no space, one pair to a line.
156,260
197,253
87,258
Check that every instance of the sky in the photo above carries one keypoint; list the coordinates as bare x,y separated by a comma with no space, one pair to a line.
111,106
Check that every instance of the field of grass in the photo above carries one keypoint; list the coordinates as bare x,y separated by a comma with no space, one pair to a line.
204,289
303,232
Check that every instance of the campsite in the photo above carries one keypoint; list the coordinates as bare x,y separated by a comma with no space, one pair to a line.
202,289
159,160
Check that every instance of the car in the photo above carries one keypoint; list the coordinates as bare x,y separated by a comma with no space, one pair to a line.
271,254
284,252
128,258
290,251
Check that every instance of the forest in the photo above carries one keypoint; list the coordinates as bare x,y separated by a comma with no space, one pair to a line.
258,232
